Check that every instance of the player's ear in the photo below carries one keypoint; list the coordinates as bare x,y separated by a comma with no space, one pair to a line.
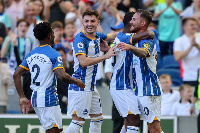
98,22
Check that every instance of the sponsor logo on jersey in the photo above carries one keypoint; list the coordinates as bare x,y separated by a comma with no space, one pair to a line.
80,45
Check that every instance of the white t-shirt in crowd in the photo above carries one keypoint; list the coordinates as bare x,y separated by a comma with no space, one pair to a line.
183,109
168,100
191,62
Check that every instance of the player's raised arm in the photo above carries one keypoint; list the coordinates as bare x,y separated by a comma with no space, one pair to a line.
140,52
87,61
143,35
24,102
68,79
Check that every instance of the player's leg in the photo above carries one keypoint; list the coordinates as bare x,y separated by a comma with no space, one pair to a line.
154,127
95,113
127,105
151,110
76,124
78,107
133,123
54,130
50,118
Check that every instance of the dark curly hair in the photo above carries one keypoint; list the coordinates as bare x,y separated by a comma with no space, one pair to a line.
42,30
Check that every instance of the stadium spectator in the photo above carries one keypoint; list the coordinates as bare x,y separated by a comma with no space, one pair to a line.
5,18
58,10
187,50
111,16
2,34
59,41
129,5
30,15
192,11
182,107
4,82
168,25
15,9
42,10
70,29
169,96
23,43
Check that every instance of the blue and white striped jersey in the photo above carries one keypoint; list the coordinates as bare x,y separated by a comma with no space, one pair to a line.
122,71
144,71
91,48
41,62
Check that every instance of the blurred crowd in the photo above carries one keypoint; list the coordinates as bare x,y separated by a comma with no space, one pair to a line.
177,23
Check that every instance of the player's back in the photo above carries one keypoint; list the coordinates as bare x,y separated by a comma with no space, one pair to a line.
144,69
41,62
122,72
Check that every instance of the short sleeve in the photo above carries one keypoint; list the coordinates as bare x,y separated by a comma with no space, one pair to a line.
147,45
79,47
7,21
179,6
102,36
57,61
157,8
24,64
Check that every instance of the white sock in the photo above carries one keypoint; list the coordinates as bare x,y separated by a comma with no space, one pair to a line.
95,124
132,129
75,126
162,132
123,130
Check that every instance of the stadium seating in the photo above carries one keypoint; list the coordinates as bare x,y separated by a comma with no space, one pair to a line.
174,73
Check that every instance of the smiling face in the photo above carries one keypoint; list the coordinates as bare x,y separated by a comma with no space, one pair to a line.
190,27
22,28
30,11
136,23
90,24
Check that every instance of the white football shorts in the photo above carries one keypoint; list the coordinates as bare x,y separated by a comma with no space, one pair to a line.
150,107
83,103
49,117
125,102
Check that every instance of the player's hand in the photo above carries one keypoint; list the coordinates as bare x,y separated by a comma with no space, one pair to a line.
80,84
192,110
123,46
104,46
111,52
156,56
25,104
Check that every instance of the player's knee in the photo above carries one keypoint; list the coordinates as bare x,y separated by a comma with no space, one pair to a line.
98,119
133,120
75,117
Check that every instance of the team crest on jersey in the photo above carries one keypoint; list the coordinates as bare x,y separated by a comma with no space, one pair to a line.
146,45
85,111
80,45
59,58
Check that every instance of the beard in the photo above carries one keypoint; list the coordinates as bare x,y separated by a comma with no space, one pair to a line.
134,29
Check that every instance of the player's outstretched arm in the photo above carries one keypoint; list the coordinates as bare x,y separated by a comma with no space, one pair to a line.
68,79
140,52
141,36
24,102
87,61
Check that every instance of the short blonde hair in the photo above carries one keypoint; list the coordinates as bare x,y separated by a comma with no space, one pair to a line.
165,76
183,87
